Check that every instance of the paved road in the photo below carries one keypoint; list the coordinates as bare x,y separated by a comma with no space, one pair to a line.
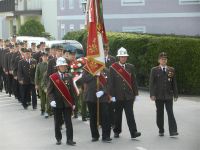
26,130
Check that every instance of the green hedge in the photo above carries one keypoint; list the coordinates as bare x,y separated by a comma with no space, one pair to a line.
183,53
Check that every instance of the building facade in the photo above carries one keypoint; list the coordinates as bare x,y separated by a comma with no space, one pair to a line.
14,13
180,17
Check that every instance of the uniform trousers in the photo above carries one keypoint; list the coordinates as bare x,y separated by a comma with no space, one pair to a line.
59,114
127,105
160,115
105,119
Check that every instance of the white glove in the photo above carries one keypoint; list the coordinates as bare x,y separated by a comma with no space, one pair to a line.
113,99
73,107
53,104
137,98
99,94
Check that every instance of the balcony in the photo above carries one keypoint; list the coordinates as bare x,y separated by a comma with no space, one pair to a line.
28,7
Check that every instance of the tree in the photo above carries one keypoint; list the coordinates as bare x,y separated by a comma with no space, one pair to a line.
32,28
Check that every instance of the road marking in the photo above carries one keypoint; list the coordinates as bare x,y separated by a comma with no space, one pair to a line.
141,148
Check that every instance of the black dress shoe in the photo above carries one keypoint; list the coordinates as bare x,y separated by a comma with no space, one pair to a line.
174,134
161,133
136,134
58,142
107,140
70,142
95,139
116,135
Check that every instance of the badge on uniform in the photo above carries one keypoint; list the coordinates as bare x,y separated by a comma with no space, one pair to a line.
170,76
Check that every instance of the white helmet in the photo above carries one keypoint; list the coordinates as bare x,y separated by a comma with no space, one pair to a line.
122,52
61,62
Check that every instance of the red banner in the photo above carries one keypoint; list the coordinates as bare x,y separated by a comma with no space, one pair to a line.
123,73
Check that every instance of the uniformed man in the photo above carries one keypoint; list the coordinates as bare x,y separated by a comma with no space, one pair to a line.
15,85
163,89
91,94
124,89
26,76
109,60
1,68
7,67
39,74
52,62
61,95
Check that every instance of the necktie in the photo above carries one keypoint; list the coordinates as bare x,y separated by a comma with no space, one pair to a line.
62,76
164,70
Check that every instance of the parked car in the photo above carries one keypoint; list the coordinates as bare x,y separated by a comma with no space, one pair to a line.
69,45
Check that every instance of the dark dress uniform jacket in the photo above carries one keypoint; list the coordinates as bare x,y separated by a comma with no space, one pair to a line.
163,84
26,71
119,88
15,65
90,87
54,94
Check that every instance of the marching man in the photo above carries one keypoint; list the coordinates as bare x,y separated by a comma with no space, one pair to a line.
61,92
124,89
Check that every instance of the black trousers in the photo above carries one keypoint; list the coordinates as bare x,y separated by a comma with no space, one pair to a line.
59,114
25,94
160,115
5,82
15,88
127,105
34,95
105,119
112,113
1,78
9,83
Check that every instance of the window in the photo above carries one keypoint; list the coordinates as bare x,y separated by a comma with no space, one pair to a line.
71,4
188,2
132,2
62,31
137,29
62,4
82,26
71,27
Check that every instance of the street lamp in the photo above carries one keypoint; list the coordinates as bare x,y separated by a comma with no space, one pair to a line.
84,5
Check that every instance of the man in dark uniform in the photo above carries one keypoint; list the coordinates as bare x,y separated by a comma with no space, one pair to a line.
7,62
163,89
16,85
124,89
60,92
109,60
52,62
1,68
91,94
4,64
26,76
